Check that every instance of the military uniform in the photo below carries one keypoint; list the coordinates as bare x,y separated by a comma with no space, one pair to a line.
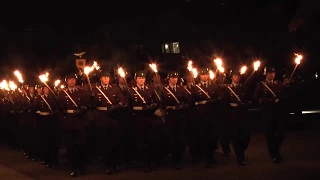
176,102
73,106
147,126
270,95
208,100
237,120
108,99
47,124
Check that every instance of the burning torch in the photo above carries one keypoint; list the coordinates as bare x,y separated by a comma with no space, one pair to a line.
256,66
44,78
297,61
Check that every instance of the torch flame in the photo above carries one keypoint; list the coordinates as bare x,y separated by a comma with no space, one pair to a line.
153,67
44,77
88,69
190,65
62,86
298,58
243,69
219,63
56,83
121,72
194,72
19,76
12,85
211,74
4,85
256,65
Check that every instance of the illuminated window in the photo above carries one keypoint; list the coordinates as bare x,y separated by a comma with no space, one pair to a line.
175,47
171,48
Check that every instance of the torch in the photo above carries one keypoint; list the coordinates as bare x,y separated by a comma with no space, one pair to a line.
256,66
297,61
193,70
87,71
122,74
44,78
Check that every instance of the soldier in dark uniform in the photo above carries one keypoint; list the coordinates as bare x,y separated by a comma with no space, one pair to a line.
176,102
147,126
194,146
208,100
47,125
108,99
270,95
237,116
26,122
73,106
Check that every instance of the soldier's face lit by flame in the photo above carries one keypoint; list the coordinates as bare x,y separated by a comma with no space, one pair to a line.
204,77
189,78
236,79
39,90
140,81
121,80
173,81
71,82
156,79
31,90
105,80
270,76
45,90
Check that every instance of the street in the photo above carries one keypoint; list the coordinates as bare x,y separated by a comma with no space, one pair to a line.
301,152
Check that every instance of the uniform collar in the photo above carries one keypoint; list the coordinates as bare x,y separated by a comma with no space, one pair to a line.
140,86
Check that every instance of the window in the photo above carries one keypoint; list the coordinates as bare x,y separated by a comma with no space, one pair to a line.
171,48
175,47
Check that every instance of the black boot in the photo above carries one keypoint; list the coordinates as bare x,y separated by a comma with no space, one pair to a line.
74,173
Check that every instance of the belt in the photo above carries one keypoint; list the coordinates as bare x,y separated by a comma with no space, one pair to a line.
71,111
233,104
137,108
201,102
44,113
102,108
171,107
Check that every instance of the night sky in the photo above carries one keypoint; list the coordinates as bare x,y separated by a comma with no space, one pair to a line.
41,37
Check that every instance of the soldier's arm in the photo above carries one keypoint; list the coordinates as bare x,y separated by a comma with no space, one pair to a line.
121,98
259,98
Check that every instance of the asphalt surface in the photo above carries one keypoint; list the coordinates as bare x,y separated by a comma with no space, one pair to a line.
301,151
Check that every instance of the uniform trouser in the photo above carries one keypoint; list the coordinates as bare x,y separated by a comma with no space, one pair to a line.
75,141
48,142
275,130
193,134
148,131
225,136
27,135
13,130
107,141
239,131
208,129
176,128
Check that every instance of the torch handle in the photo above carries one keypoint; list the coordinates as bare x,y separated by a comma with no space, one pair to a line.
248,78
293,73
50,89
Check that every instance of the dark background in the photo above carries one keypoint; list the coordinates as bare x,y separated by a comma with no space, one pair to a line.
44,36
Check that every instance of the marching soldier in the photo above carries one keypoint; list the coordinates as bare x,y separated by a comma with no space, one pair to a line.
237,117
26,122
147,127
176,102
73,104
270,95
194,146
108,99
208,99
47,125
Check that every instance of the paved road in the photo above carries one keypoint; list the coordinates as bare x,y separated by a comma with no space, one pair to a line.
301,151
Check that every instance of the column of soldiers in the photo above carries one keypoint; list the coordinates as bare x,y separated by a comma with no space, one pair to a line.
141,122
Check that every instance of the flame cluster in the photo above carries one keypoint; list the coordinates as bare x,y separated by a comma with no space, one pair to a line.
88,69
192,69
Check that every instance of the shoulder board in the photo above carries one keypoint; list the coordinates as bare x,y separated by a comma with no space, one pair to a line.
146,87
99,87
276,82
199,84
178,86
167,86
110,86
230,85
136,88
185,86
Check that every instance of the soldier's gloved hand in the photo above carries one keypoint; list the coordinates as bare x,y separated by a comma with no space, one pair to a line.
117,106
210,101
276,100
150,107
181,107
83,109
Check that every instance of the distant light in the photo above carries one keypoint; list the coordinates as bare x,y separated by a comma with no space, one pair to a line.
316,75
